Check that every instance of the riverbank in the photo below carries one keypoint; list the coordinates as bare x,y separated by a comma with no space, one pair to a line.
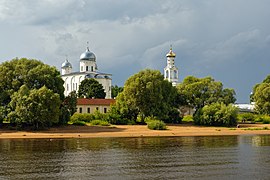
71,131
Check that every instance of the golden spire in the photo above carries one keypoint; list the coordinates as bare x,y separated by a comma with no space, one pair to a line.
171,53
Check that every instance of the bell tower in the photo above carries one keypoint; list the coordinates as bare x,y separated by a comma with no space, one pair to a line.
171,71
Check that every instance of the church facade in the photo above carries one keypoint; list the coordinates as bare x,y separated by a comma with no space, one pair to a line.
88,69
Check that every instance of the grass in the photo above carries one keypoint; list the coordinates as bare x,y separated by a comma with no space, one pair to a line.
99,123
255,129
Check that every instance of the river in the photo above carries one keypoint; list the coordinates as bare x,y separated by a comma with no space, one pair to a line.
209,157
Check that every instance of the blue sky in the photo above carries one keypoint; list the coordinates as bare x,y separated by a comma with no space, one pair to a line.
226,39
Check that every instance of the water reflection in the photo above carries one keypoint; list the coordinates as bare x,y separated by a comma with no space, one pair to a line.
136,158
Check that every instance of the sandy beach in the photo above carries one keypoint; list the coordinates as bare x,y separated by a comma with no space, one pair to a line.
134,131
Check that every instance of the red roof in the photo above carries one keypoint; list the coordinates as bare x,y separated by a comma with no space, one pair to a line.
84,101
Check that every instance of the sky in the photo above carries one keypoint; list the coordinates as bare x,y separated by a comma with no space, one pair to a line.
228,40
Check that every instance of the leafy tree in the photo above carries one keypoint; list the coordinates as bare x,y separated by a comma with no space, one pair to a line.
147,94
262,98
32,73
198,92
37,108
116,90
216,114
71,102
90,88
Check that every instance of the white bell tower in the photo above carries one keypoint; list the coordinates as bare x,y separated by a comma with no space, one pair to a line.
171,71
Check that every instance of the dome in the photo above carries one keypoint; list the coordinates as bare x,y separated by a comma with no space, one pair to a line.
66,64
88,56
171,53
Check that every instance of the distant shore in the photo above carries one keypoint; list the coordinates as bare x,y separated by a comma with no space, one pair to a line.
71,131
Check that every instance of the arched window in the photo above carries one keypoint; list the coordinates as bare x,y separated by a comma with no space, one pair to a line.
86,68
167,74
175,74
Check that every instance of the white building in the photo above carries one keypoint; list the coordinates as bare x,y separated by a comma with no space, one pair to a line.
171,71
88,69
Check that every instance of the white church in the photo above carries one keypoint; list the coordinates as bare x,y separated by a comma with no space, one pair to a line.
88,69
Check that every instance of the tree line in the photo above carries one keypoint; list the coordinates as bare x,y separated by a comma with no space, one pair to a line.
32,95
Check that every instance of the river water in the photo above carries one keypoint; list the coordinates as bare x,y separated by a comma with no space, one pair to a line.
218,157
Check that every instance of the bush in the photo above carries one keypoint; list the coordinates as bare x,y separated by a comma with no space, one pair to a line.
246,117
100,123
216,114
155,124
187,118
265,119
79,123
85,117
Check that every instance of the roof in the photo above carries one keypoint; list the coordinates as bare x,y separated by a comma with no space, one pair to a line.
85,101
86,73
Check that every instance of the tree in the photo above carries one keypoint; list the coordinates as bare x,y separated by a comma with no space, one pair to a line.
90,88
71,102
116,90
262,98
37,108
32,73
216,114
198,92
147,94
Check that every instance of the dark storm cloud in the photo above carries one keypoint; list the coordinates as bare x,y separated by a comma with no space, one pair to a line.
228,40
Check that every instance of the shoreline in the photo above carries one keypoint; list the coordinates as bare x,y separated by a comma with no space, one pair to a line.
181,130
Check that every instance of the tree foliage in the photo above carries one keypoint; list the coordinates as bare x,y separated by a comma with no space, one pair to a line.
32,73
216,114
90,88
147,94
198,92
262,98
37,108
116,90
21,82
71,102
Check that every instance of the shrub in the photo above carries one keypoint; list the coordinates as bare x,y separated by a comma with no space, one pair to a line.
216,114
100,123
265,119
155,124
79,123
85,117
187,118
246,117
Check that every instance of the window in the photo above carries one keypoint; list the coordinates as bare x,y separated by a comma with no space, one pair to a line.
105,110
80,110
67,87
81,68
97,108
167,74
88,110
175,74
86,68
92,68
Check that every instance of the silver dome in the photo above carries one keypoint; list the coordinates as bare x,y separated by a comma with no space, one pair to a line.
66,64
88,55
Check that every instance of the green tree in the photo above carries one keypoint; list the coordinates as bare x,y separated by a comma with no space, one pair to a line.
37,108
90,88
116,90
147,94
71,102
216,114
33,73
198,92
262,98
